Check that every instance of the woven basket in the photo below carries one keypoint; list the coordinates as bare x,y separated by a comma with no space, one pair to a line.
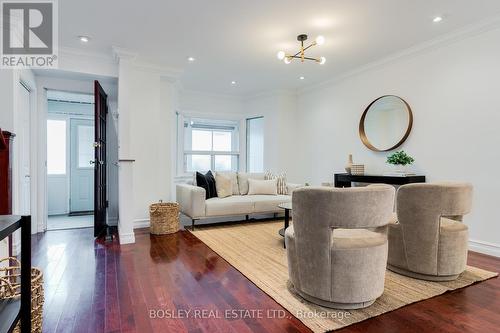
10,288
358,169
164,217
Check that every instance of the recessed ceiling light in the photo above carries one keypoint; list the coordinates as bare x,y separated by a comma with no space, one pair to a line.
84,39
301,78
437,19
233,82
191,59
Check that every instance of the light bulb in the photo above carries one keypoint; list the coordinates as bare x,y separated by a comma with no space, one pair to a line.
281,55
320,40
322,60
84,39
287,60
437,19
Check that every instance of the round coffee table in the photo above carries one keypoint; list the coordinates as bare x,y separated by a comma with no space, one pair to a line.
287,206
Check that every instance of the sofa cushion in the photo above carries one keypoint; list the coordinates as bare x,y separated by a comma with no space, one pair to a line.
233,205
269,203
256,186
243,180
234,180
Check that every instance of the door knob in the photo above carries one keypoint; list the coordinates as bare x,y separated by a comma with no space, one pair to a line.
92,162
96,144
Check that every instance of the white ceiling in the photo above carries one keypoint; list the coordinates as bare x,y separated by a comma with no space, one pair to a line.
238,40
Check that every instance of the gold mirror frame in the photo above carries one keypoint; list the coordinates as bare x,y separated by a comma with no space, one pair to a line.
362,133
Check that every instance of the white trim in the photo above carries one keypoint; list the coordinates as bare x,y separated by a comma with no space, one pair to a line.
128,238
436,43
141,223
491,249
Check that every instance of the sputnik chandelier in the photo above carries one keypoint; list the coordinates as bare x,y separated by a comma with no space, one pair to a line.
287,58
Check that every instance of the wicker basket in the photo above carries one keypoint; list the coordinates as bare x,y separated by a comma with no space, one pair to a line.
10,287
358,169
164,217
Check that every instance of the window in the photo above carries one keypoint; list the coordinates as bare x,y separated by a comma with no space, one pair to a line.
56,147
255,144
210,145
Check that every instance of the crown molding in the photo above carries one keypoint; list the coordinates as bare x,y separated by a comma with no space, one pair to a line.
130,57
428,46
71,51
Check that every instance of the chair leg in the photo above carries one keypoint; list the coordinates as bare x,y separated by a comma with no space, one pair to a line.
192,224
246,217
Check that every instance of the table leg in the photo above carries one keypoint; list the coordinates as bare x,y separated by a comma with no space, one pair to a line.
287,222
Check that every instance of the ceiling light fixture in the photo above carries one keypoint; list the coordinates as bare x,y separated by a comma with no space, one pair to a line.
233,82
437,19
301,78
287,58
191,59
84,39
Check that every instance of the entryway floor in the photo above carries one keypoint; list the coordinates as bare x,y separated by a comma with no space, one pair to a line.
59,222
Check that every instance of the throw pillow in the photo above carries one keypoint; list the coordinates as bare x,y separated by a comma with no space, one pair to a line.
256,186
234,180
223,185
207,181
243,180
281,184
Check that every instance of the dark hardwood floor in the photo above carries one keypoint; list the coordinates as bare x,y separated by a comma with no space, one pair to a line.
93,287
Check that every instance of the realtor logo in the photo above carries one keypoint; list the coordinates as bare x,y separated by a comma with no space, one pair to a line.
29,34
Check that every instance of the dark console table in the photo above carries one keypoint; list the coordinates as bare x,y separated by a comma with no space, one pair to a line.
345,179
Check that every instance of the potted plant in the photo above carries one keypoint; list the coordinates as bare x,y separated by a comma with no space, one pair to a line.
400,160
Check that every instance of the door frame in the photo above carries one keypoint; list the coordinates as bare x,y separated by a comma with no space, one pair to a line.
43,84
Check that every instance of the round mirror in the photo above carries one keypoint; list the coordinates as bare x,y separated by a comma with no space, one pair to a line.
386,123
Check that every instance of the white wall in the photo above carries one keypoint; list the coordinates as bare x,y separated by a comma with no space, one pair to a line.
453,90
209,104
146,102
279,111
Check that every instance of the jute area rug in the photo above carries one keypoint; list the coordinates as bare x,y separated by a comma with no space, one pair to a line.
256,250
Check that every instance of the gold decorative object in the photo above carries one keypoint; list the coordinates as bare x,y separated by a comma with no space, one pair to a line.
287,58
386,123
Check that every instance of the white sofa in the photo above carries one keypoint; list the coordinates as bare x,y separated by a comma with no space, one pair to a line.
193,204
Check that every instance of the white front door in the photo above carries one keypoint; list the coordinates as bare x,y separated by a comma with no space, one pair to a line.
81,169
23,151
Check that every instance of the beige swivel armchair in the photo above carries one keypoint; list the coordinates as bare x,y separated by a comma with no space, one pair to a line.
337,246
428,241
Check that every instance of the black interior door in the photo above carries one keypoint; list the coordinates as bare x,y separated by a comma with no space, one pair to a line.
100,199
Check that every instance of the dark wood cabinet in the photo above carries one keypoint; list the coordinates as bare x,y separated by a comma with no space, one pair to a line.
6,172
345,179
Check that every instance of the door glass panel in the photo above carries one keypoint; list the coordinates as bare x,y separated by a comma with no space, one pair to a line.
85,146
56,147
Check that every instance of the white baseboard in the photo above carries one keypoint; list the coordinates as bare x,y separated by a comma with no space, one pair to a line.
141,223
484,247
128,238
